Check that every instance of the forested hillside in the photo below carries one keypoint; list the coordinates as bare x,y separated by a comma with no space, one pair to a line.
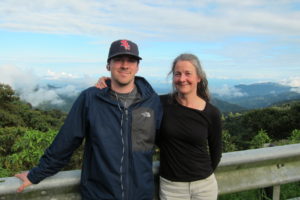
25,132
15,113
278,124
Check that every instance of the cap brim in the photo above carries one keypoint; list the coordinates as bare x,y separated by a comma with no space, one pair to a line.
124,53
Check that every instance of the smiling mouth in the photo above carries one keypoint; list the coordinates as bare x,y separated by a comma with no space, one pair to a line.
124,73
183,84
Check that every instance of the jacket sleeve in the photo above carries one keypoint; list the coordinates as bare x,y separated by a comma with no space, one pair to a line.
70,137
162,100
215,138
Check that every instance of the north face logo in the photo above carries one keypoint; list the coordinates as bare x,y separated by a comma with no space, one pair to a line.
146,114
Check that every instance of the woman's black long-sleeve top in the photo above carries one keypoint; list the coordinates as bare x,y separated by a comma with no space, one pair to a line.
190,141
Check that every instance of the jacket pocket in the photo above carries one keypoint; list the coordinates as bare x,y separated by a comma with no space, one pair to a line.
143,129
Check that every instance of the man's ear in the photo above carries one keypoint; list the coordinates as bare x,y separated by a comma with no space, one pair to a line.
138,67
108,67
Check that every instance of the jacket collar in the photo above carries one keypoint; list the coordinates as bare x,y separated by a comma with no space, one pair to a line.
143,86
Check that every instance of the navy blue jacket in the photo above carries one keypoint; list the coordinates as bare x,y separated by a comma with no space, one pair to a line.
119,144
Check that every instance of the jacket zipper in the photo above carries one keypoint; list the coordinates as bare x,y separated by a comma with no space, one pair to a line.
122,157
126,155
124,168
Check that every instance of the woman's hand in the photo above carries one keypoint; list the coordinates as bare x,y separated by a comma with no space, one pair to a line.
101,82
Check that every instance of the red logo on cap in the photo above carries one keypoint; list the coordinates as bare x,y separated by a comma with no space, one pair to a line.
124,43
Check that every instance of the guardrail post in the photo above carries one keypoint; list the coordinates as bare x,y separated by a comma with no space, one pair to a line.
276,192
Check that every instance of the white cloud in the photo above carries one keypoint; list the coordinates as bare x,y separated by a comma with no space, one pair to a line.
29,87
228,91
59,75
292,81
168,19
69,90
41,95
18,78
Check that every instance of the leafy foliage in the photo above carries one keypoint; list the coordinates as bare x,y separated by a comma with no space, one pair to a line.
25,133
8,136
24,147
250,194
227,140
27,149
260,139
277,121
295,136
7,94
287,191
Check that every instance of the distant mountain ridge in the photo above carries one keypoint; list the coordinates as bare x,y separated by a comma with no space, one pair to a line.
258,95
262,89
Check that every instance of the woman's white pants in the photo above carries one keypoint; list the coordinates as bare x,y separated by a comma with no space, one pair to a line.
205,189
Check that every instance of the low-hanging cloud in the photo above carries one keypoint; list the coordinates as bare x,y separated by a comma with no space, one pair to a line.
294,82
41,95
228,91
29,87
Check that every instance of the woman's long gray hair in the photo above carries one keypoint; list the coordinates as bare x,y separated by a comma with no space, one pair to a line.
202,86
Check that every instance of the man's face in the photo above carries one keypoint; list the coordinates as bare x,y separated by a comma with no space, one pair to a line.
123,69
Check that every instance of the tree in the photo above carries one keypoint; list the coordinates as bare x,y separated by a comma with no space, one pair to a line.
277,121
8,119
8,137
228,144
295,136
260,139
7,94
27,149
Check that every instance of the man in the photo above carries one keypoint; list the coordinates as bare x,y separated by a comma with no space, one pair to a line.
119,125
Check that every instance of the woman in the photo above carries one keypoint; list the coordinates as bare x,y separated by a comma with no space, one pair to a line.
190,135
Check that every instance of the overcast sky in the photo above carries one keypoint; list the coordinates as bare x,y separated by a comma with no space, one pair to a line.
69,39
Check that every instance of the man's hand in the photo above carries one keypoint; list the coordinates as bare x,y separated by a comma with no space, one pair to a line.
26,182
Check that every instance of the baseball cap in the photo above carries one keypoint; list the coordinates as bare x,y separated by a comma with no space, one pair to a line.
123,47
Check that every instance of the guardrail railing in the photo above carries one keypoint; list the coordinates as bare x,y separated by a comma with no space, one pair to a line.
238,171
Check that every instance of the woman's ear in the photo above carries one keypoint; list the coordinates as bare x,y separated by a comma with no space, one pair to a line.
199,79
108,67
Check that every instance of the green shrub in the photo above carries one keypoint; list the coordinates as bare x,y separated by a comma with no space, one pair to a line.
289,191
8,137
295,136
27,149
228,145
260,139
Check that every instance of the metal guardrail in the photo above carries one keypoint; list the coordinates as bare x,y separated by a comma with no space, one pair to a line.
238,171
259,168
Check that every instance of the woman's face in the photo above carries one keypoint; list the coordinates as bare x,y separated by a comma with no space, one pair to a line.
185,78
